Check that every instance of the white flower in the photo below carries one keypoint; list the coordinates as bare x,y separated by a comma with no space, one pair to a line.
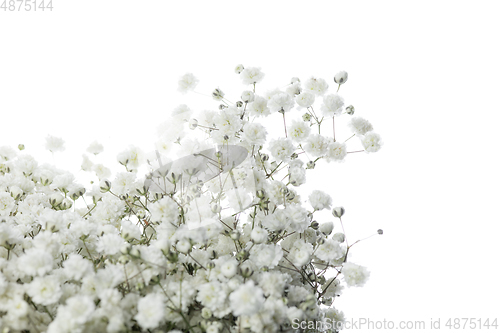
299,130
332,105
281,149
259,107
267,255
316,86
7,204
281,102
110,244
54,144
247,300
211,295
329,250
360,126
297,216
44,290
7,153
95,148
164,210
254,133
35,261
340,77
229,268
336,151
297,176
316,145
76,267
132,158
101,171
300,254
259,235
247,96
305,99
187,82
86,163
151,311
182,113
355,275
320,200
371,142
251,75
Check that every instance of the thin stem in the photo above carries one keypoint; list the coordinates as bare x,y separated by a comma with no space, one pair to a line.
333,119
284,122
357,151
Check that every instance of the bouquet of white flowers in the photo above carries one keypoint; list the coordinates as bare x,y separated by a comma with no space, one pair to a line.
216,240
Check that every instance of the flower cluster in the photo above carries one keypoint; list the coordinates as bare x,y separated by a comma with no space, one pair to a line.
217,239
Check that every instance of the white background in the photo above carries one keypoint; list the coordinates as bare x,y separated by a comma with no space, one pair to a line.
424,73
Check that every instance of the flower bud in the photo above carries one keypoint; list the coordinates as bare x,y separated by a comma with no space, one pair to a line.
261,194
239,104
235,235
242,255
135,253
310,165
172,256
340,78
294,80
326,228
218,154
306,117
125,249
264,157
246,272
380,231
16,192
210,265
123,260
350,110
248,96
105,185
66,204
314,225
206,313
193,123
216,208
338,212
222,107
217,94
20,146
239,68
339,237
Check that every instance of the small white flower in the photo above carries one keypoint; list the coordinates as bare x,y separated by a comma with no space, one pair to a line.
329,250
281,149
54,144
187,82
247,300
305,99
371,142
360,126
299,130
259,107
44,290
316,86
251,75
259,235
355,275
281,102
320,200
254,134
332,105
336,151
95,148
150,311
